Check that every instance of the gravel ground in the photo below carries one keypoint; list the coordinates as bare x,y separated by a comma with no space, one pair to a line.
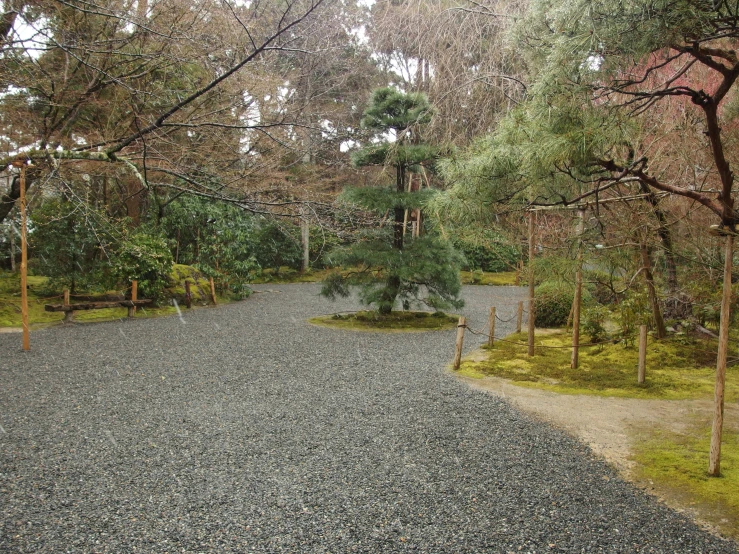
243,428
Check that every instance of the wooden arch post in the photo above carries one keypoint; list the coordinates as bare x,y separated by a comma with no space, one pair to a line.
23,165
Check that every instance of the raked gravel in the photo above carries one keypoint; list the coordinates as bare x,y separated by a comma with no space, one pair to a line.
243,428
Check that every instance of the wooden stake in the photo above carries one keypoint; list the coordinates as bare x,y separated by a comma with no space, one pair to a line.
576,304
68,316
24,262
188,295
491,326
714,463
642,353
532,314
519,317
305,242
134,296
460,342
213,291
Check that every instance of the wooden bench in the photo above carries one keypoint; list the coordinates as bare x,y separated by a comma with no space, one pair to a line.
99,303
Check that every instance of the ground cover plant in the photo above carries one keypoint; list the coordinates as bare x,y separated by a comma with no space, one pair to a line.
679,460
394,321
676,369
478,277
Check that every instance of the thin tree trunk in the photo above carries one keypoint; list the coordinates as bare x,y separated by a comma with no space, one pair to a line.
714,463
11,232
577,301
659,322
305,242
532,318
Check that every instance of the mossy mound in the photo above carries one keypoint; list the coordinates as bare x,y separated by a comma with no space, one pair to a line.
199,284
676,369
395,321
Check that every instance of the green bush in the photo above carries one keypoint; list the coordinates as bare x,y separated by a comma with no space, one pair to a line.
486,250
552,302
594,320
147,259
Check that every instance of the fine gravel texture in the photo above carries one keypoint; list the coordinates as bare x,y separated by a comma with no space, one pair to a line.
243,428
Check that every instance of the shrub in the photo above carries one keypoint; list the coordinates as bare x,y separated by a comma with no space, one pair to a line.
486,251
594,320
147,259
553,300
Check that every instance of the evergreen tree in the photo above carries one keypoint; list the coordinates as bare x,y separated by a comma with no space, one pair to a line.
395,268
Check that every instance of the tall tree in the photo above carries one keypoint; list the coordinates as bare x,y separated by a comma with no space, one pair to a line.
397,268
602,74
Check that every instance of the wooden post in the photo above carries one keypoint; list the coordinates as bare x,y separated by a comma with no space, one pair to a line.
532,314
134,296
460,342
491,326
519,317
714,463
213,291
642,353
68,316
577,302
305,242
188,295
24,259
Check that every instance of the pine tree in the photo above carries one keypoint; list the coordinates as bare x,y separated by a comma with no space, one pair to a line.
421,269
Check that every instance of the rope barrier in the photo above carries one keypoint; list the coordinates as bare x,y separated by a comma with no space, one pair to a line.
471,330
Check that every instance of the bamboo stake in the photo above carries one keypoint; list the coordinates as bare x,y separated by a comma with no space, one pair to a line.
519,317
714,463
491,326
642,353
531,283
460,342
68,316
576,305
134,296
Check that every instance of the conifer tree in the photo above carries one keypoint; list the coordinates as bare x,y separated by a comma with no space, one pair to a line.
422,269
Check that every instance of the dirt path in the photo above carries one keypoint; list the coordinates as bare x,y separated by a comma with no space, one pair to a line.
612,426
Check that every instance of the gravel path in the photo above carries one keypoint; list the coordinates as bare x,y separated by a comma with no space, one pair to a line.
243,428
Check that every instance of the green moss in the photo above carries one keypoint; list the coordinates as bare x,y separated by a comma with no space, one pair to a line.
505,278
10,305
675,370
677,463
395,321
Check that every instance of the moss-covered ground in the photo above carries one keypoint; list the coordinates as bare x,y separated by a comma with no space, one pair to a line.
39,295
675,369
505,278
395,321
678,462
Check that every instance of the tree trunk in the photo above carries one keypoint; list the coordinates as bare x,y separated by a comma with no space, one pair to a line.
387,299
305,243
399,211
659,323
714,463
577,301
11,232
